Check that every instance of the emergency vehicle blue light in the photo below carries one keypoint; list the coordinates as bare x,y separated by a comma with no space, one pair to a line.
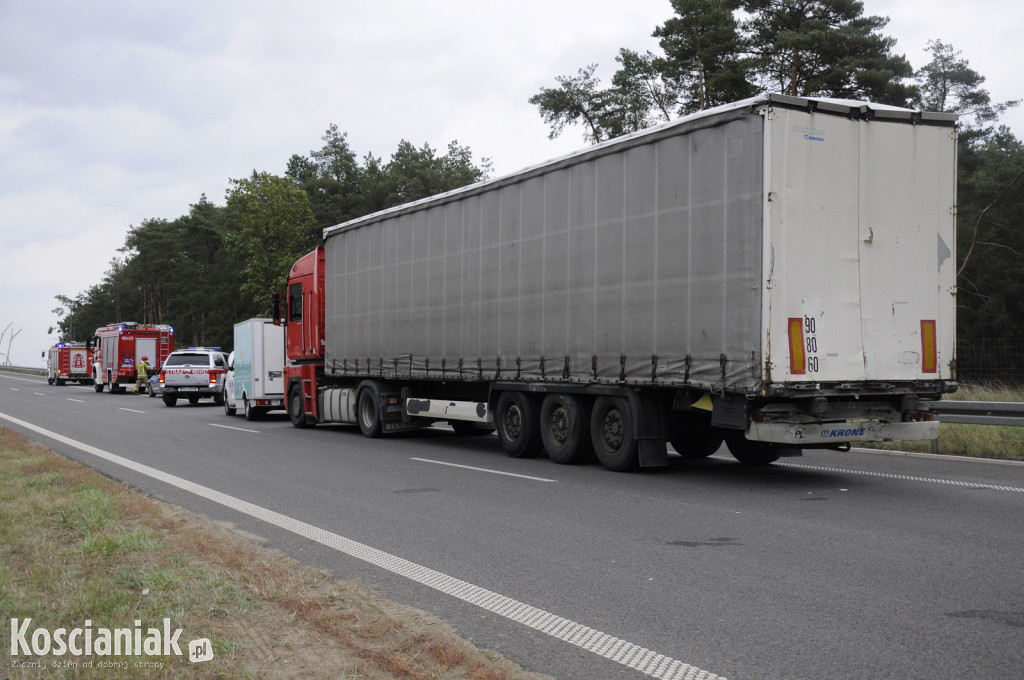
120,328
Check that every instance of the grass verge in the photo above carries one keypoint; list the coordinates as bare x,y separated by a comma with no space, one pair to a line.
76,547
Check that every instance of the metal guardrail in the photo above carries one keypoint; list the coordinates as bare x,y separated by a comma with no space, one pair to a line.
24,369
1007,413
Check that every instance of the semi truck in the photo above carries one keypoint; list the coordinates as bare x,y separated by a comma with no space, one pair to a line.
255,379
775,274
119,347
68,361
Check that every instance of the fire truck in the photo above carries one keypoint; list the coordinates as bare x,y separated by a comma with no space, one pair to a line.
118,349
68,361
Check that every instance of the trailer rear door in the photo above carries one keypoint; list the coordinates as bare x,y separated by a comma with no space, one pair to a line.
859,250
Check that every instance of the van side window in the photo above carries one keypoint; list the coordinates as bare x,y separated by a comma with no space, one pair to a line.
295,302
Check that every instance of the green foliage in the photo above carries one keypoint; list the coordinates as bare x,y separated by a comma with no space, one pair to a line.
826,48
720,51
703,49
990,238
275,228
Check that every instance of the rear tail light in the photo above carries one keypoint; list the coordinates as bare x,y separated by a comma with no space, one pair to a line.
929,352
797,355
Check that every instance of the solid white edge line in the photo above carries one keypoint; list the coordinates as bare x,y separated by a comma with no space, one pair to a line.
626,653
477,469
229,427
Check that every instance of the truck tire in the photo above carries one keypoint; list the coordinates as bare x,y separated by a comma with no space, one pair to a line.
518,424
97,384
170,401
49,380
565,428
228,408
249,411
692,437
368,412
297,407
611,429
751,454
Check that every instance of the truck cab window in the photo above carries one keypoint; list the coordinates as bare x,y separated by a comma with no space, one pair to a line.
295,302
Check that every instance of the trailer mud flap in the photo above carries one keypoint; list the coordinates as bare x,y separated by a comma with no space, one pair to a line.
838,433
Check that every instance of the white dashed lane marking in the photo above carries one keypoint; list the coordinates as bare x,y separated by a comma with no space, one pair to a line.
634,656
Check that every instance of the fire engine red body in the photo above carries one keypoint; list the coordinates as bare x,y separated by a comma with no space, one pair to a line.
69,361
118,348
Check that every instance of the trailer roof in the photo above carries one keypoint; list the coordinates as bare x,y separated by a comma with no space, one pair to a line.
847,108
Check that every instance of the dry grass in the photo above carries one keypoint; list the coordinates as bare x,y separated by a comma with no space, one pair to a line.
75,546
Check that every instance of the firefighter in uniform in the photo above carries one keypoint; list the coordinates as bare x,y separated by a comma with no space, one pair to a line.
142,375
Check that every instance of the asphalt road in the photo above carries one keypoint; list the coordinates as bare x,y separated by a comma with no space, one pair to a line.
834,565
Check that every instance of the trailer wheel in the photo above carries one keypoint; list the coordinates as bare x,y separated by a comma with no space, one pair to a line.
565,428
693,438
368,412
753,454
297,407
518,425
611,428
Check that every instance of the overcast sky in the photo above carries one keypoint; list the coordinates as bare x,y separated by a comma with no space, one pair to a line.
115,112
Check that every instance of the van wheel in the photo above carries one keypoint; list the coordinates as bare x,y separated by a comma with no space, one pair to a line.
611,428
518,425
297,407
228,408
368,412
565,429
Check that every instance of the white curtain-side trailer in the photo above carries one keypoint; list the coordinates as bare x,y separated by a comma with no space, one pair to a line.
776,274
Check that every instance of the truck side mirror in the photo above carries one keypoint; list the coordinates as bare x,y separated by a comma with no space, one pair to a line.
275,300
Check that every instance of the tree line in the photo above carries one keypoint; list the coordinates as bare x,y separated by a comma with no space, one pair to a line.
216,265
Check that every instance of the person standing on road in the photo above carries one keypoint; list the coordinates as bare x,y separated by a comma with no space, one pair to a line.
142,375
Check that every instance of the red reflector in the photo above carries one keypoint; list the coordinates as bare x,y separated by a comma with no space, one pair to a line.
929,353
797,356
